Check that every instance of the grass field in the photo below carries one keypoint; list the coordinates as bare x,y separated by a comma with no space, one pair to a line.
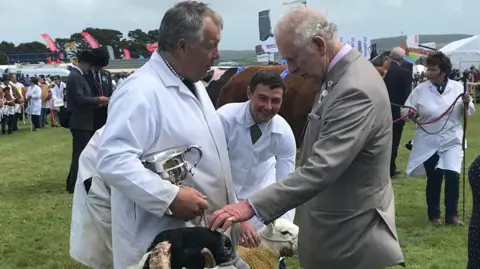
35,209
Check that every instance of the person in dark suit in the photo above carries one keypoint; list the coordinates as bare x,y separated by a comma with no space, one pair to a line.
100,82
81,104
399,85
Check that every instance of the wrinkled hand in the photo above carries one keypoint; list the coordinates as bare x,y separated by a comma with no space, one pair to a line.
467,98
230,214
248,236
188,204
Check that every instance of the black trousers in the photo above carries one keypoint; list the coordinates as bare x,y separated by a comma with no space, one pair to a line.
397,131
434,188
8,124
79,142
15,121
35,121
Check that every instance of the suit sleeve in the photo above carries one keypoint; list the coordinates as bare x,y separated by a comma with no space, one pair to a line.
407,87
75,87
349,122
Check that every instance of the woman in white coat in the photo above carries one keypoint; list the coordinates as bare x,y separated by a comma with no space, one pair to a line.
34,93
437,149
164,105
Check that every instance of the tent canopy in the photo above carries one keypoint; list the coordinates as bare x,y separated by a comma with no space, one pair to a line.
464,53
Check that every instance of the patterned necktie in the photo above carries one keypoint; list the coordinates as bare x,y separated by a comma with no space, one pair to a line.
99,84
255,133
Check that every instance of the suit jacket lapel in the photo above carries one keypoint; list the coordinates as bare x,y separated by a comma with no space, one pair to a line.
339,68
216,130
333,76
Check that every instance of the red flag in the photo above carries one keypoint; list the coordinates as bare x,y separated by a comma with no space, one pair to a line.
91,41
126,54
50,43
152,47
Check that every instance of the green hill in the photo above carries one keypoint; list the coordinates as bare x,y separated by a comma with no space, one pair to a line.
248,57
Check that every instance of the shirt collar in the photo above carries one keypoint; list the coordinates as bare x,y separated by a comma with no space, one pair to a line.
170,67
345,49
250,121
78,68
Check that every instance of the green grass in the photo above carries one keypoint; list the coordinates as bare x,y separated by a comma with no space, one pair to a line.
35,209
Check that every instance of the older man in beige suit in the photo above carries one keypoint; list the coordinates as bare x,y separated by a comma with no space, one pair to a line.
347,218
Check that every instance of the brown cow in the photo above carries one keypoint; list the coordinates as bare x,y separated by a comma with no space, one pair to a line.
297,102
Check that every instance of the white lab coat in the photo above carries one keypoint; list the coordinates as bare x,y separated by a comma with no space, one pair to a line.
57,93
155,111
35,104
254,167
448,143
91,232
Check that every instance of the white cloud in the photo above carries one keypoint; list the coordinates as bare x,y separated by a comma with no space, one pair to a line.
27,19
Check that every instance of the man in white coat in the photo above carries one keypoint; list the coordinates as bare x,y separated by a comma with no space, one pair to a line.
160,106
261,144
90,234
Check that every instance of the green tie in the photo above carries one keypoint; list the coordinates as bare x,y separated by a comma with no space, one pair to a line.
255,133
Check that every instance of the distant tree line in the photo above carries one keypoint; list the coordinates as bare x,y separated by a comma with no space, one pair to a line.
135,42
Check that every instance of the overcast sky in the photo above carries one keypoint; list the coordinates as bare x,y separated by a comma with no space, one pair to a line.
25,20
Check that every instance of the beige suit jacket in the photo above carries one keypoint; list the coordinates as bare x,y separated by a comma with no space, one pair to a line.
347,217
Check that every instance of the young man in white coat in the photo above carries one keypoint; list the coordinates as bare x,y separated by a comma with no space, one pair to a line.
261,144
163,105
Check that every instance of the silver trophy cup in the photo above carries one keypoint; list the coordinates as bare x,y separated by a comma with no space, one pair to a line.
170,164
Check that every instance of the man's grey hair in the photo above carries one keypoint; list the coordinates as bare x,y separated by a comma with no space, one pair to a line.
306,24
185,21
397,53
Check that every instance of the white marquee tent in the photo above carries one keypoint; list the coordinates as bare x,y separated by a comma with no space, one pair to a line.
464,53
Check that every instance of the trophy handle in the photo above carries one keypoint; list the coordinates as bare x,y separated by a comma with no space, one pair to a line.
200,153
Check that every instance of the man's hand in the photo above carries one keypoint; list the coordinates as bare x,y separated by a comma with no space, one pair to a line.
248,236
188,204
230,214
103,100
467,98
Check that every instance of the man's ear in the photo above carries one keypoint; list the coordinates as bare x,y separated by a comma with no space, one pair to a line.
249,93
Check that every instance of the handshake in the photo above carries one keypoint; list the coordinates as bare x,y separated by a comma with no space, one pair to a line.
189,204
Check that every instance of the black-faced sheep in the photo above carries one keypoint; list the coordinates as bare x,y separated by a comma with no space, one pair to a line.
199,248
192,248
